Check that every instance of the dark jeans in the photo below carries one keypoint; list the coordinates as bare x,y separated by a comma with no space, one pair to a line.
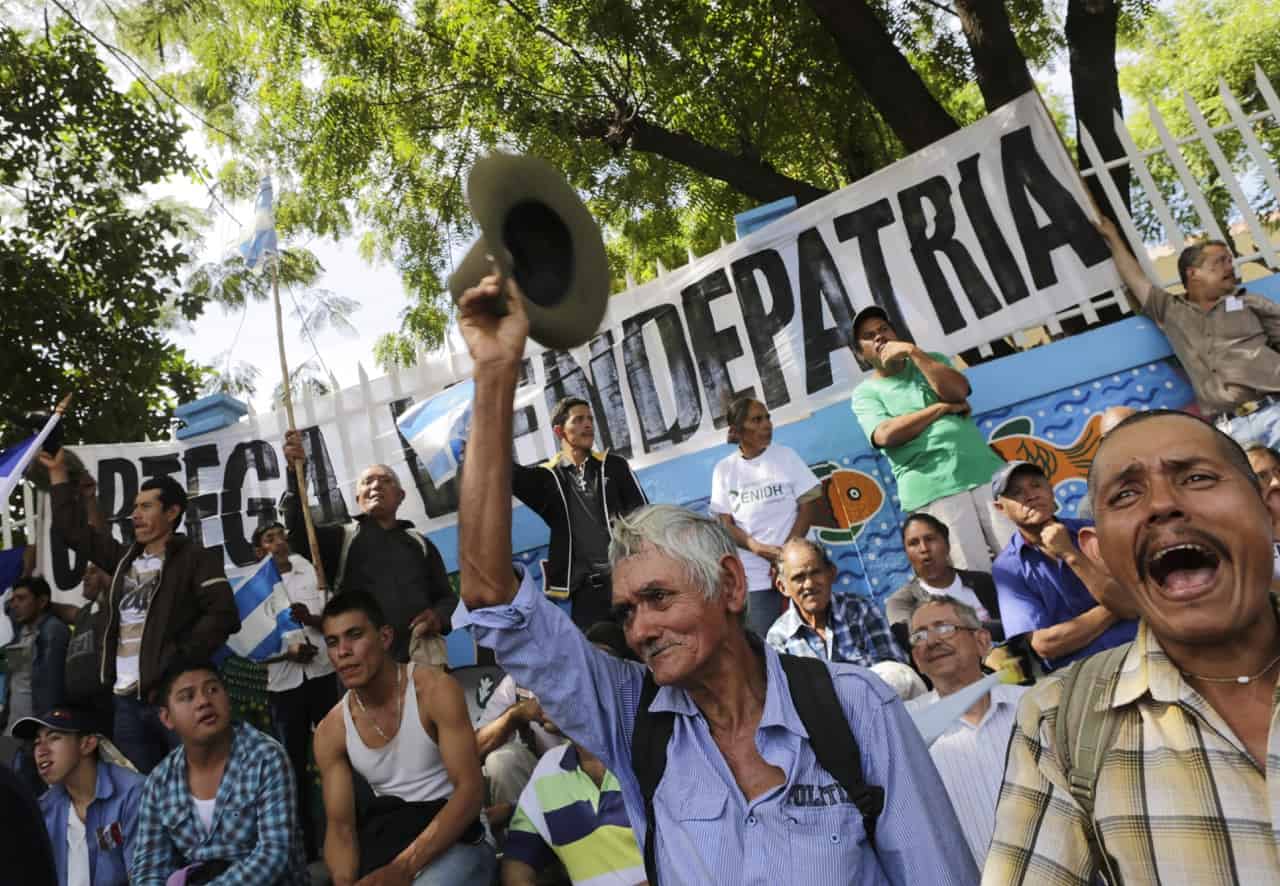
139,734
293,714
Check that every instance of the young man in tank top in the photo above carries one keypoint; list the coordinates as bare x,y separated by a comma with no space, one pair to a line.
406,731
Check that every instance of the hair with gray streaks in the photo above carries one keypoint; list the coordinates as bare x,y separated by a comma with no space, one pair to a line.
965,614
697,543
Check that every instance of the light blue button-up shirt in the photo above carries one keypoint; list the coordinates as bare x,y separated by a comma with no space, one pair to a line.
708,832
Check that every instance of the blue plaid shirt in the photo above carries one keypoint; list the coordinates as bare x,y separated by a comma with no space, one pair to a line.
255,819
858,631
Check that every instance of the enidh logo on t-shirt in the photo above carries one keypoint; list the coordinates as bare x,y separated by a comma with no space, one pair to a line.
753,495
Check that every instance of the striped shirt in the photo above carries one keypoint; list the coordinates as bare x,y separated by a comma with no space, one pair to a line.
804,831
970,760
563,814
1179,800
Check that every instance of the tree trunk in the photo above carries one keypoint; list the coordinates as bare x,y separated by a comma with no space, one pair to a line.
998,62
915,116
1095,84
754,178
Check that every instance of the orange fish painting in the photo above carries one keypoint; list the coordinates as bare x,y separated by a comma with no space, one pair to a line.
853,497
1014,442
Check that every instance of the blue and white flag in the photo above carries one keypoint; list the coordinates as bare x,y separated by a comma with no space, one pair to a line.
14,460
265,621
437,430
263,241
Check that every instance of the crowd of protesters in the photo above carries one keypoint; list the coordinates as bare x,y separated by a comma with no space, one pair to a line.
687,698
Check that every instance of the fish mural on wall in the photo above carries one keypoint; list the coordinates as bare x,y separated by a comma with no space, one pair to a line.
1015,441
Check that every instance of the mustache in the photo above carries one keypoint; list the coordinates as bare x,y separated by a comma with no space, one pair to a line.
653,647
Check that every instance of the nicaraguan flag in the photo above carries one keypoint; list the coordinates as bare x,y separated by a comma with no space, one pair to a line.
263,241
437,430
14,460
264,614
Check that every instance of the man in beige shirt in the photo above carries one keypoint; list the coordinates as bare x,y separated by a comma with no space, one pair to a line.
1225,338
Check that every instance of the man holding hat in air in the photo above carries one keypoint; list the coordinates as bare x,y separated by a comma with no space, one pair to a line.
91,807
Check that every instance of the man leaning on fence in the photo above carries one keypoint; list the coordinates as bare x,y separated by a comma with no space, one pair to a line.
716,743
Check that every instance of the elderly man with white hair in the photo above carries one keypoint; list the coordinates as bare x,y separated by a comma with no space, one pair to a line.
736,764
378,553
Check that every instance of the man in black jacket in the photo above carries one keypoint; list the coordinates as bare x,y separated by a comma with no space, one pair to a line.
378,553
578,493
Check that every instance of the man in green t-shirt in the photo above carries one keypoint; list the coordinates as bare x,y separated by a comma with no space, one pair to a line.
913,407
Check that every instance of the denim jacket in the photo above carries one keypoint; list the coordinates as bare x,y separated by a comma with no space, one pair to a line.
110,824
48,664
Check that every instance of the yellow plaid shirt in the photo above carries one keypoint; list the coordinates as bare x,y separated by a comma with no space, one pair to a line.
1178,799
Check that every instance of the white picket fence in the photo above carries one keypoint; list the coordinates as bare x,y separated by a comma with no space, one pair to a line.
357,415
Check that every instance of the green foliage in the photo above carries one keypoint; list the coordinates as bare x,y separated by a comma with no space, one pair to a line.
88,268
1186,49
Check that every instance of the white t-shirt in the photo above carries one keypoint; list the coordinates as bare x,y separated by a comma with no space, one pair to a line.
140,584
761,495
958,591
204,812
77,851
300,586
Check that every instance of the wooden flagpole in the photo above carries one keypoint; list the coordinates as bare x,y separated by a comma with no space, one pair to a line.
299,467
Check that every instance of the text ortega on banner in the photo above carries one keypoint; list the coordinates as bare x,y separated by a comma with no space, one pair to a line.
979,235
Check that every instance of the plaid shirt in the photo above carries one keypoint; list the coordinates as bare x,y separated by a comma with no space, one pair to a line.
255,819
1179,799
856,629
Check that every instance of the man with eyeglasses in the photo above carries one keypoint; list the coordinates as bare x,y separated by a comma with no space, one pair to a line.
948,644
1225,338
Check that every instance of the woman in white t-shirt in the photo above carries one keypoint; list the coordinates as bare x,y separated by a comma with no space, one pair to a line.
764,495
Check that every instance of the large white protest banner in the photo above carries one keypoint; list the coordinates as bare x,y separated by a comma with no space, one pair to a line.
982,234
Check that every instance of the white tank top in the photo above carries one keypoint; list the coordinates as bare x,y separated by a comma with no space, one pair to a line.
409,766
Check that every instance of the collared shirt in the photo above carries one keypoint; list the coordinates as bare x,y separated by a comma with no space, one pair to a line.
970,759
708,832
255,821
1229,351
857,633
563,814
110,825
1037,592
1179,799
300,584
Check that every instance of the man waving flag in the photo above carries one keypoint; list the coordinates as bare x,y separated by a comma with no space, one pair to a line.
14,460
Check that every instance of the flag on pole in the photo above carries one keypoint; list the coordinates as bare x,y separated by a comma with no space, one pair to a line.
263,241
265,621
437,429
14,460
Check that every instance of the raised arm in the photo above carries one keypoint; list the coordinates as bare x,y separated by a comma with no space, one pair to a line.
70,520
341,847
1130,271
484,519
442,706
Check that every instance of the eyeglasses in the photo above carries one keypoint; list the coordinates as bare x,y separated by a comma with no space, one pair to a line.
941,629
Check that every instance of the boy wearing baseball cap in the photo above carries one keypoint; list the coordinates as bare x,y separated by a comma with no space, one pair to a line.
91,807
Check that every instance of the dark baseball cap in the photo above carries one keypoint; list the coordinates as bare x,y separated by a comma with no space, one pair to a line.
60,719
866,314
1000,482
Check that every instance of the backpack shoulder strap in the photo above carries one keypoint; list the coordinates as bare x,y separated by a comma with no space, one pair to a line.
1083,732
649,738
814,695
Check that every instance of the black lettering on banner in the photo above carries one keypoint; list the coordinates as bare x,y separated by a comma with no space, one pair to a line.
1026,174
925,249
151,466
68,566
820,284
200,504
565,378
608,384
437,500
238,544
865,224
763,326
322,480
714,347
1004,267
655,432
117,488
